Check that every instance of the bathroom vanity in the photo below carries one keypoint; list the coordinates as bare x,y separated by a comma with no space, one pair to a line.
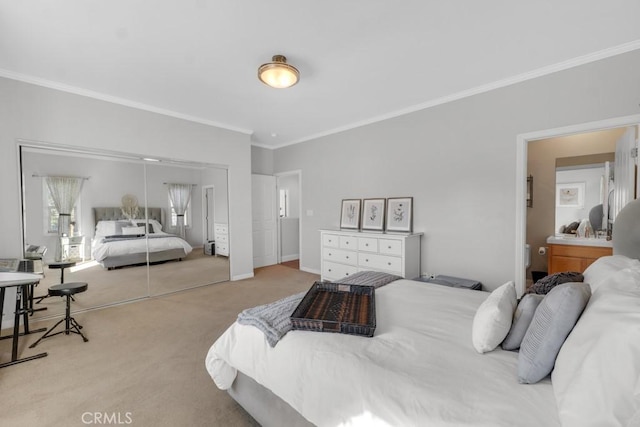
575,253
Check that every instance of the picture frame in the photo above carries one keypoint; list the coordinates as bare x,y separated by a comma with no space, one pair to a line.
399,214
570,195
373,214
350,214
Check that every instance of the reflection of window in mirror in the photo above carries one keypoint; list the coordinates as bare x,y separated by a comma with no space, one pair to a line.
50,213
284,203
174,217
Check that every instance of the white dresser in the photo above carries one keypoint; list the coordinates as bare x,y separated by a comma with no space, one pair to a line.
347,252
221,236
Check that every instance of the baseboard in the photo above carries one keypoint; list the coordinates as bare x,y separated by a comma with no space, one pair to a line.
241,277
310,270
293,257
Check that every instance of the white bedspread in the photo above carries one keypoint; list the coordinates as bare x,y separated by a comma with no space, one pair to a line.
420,367
102,250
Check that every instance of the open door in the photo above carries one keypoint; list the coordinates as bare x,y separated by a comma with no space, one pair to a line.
265,215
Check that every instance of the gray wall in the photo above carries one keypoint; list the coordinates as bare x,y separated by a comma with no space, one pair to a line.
261,161
39,114
458,162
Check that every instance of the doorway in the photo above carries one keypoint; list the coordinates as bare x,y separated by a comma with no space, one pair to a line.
521,178
288,187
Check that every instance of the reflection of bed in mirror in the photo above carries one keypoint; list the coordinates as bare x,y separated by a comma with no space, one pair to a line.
118,242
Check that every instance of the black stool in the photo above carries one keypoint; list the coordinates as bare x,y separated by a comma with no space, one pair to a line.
61,266
65,290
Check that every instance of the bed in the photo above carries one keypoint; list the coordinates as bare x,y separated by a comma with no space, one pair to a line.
118,242
423,365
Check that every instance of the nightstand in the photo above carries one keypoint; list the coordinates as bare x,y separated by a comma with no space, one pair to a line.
454,282
72,248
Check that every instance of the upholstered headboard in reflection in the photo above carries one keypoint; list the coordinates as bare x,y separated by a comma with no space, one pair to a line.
115,214
626,231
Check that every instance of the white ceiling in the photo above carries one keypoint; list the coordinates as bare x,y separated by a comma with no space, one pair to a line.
360,60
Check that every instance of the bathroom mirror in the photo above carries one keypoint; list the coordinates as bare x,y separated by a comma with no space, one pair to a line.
582,185
596,187
123,235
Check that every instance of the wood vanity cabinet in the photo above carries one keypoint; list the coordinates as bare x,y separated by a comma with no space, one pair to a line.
574,258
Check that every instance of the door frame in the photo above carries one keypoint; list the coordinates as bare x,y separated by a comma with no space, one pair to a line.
205,230
522,141
279,175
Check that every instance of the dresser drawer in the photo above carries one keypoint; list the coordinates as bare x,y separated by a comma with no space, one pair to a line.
331,240
390,247
380,262
220,228
333,271
222,249
367,244
339,255
221,238
348,242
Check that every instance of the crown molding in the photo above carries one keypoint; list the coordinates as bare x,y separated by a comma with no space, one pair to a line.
116,100
560,66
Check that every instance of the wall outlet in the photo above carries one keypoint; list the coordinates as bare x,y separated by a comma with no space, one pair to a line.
428,275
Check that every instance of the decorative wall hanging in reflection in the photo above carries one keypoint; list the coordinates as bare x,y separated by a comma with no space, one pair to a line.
129,207
570,195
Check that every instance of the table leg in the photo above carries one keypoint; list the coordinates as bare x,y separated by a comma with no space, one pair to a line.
20,296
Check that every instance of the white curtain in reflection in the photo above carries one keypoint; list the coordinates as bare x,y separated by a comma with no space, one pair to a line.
624,172
180,196
64,192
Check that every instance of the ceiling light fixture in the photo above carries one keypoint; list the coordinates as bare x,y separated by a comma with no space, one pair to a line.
278,74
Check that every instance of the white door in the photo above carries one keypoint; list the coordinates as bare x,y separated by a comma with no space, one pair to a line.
263,200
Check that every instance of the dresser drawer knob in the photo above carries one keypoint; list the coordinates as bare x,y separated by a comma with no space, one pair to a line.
366,260
329,269
347,257
329,253
347,274
388,263
389,247
366,244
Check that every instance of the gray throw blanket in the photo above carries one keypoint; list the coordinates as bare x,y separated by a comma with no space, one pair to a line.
273,319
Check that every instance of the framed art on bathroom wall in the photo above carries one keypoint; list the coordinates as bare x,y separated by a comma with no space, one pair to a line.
570,195
373,214
400,214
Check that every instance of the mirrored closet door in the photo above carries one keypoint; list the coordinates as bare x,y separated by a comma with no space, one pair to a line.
195,200
137,228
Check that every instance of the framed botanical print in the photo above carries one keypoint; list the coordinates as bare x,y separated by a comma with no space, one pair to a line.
570,195
373,211
400,214
350,214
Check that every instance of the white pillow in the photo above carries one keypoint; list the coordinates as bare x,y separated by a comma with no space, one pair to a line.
493,318
133,230
157,227
110,228
596,375
603,268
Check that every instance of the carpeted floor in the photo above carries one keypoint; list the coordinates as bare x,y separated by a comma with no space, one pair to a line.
144,361
128,283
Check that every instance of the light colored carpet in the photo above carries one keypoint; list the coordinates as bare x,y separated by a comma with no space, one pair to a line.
144,358
129,283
